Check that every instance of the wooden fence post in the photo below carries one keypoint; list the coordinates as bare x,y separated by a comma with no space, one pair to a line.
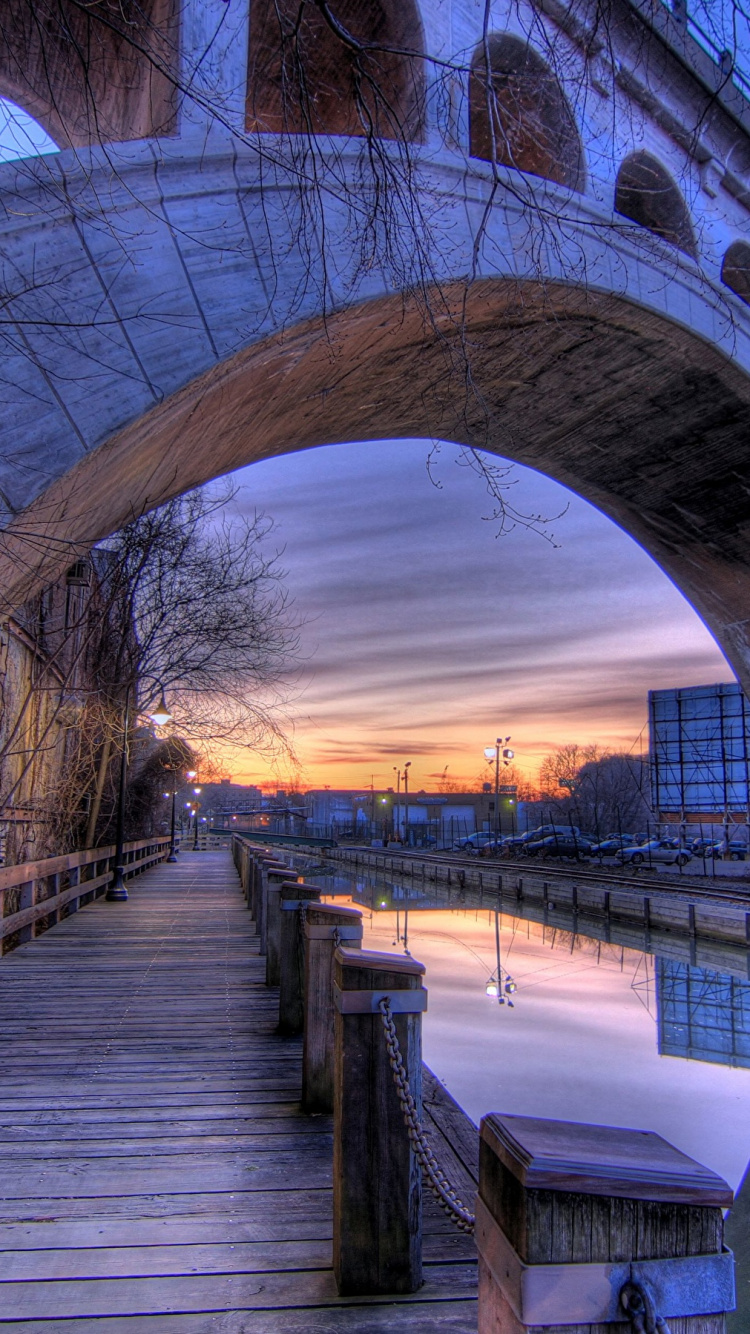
292,955
377,1187
568,1213
264,866
326,927
74,879
276,881
275,873
27,899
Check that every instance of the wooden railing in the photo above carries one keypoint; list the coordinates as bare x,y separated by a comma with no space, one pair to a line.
48,886
575,1225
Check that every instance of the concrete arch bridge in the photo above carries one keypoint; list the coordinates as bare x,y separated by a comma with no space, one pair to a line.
389,219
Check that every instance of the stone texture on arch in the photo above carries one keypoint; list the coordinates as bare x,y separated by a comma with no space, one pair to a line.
735,270
646,193
532,128
637,414
342,71
78,70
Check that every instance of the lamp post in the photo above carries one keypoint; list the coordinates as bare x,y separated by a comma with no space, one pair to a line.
117,892
197,791
497,752
407,766
172,841
397,821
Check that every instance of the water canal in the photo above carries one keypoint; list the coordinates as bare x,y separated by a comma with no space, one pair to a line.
579,1029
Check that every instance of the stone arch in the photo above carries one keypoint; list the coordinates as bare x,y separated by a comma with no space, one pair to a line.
90,73
646,193
307,74
533,128
735,270
654,443
21,135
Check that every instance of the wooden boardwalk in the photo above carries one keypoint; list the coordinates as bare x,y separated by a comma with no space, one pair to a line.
157,1173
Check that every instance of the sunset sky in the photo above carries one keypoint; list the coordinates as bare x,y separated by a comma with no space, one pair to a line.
427,636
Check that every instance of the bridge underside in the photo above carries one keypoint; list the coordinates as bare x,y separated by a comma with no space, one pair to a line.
636,414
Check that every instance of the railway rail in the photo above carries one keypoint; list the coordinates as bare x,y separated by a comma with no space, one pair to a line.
621,880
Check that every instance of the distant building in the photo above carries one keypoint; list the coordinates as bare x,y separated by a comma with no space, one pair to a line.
426,818
700,755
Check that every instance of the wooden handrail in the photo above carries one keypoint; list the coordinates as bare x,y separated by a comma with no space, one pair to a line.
27,877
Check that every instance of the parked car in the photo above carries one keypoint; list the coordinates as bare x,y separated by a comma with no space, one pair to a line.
665,850
472,843
612,844
707,847
518,842
569,845
737,850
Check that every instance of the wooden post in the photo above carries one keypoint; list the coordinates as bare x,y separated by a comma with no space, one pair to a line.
568,1213
377,1188
273,932
260,890
26,899
274,873
326,926
292,955
74,878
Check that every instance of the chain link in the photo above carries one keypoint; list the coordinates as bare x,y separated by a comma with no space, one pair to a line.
639,1309
435,1177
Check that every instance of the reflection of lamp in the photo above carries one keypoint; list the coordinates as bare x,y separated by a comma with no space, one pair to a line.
500,986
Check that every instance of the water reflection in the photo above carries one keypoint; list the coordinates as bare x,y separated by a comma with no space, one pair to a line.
703,1016
598,1031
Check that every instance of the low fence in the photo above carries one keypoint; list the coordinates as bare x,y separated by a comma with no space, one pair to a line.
57,886
575,1225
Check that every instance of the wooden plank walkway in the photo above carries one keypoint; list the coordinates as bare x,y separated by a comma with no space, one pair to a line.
157,1173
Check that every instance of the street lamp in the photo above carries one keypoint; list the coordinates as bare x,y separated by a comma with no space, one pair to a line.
397,821
172,839
117,892
497,752
407,767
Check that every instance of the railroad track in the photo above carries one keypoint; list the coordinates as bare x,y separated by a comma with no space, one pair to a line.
679,886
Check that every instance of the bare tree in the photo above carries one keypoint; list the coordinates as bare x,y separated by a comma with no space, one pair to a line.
600,791
188,603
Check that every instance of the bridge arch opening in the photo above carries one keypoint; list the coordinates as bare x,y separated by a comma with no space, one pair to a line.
646,193
735,270
91,74
20,135
635,413
519,115
352,74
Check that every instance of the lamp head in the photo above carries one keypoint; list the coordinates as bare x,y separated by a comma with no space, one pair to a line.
161,715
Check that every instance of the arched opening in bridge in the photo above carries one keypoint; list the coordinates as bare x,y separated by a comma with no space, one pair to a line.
20,135
633,411
519,115
646,193
735,271
347,72
88,73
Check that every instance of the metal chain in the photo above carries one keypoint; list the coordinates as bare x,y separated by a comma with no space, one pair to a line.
436,1179
639,1309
